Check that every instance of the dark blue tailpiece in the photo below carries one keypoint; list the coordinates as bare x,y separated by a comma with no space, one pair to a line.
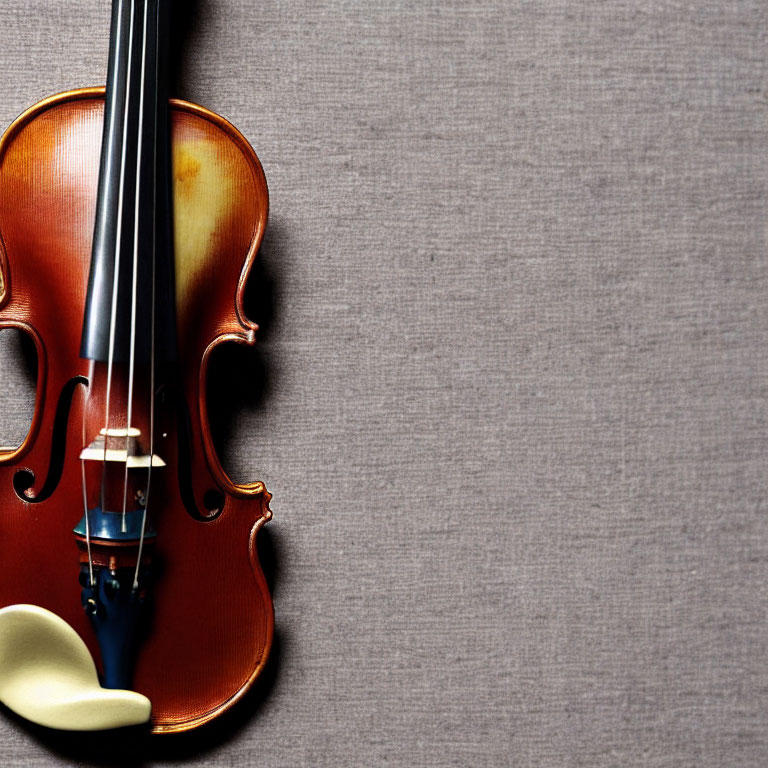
115,611
113,605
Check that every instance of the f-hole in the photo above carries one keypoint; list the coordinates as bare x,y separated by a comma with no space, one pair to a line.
24,479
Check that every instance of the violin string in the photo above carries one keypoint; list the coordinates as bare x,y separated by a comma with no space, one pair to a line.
152,311
91,366
118,250
134,284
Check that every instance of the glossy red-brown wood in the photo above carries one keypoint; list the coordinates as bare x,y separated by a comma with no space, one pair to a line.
212,617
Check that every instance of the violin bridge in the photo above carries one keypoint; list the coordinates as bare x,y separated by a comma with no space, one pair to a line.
122,446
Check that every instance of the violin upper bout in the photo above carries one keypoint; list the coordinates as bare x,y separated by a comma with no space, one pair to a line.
220,203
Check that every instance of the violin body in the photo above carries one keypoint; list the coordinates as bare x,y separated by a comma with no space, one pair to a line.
210,626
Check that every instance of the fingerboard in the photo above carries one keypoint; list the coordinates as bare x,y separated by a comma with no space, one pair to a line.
131,275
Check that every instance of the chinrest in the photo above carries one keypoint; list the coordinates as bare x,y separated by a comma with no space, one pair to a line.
47,676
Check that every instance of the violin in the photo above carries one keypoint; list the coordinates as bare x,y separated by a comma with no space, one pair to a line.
129,223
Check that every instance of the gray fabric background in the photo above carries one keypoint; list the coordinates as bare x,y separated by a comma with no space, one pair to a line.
511,393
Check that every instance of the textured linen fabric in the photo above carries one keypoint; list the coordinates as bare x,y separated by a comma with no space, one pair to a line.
510,394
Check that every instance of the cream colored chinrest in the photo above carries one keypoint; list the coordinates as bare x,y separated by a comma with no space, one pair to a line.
47,676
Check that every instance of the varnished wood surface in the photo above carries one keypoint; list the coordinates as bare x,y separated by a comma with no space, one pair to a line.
212,614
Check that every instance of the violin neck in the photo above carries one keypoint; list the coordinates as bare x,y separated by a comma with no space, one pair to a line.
130,301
